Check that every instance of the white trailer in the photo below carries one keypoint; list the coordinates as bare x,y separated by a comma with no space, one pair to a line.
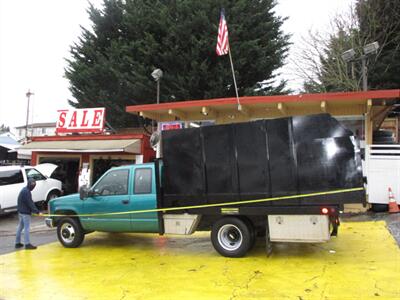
382,166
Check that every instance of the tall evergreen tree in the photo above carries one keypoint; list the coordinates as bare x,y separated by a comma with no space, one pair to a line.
368,21
380,21
112,62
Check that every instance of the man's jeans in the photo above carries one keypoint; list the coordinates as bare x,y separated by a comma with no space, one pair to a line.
24,223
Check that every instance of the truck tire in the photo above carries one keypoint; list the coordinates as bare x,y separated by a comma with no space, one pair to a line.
377,207
70,232
231,237
253,232
50,196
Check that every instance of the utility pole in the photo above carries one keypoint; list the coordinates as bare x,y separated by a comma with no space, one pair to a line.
28,95
157,74
364,72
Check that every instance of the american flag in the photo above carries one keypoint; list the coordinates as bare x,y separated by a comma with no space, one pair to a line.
223,42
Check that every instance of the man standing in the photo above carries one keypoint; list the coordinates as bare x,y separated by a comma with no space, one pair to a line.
26,207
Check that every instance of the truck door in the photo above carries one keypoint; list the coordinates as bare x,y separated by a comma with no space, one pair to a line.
110,195
144,198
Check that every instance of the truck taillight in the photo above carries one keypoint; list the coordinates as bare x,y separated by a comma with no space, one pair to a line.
324,210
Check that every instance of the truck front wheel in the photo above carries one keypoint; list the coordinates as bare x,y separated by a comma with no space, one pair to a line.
70,232
231,237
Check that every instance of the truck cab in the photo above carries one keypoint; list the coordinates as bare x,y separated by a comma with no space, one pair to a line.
104,206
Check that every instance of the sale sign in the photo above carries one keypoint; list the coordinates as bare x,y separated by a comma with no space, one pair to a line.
171,125
81,120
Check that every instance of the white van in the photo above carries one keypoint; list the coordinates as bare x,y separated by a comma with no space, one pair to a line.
14,178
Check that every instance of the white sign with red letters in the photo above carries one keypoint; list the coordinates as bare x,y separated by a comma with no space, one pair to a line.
81,120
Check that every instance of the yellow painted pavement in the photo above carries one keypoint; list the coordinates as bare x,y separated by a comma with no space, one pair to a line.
362,263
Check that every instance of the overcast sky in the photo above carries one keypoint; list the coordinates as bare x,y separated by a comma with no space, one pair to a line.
35,36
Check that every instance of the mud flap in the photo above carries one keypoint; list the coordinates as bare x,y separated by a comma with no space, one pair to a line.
334,220
268,243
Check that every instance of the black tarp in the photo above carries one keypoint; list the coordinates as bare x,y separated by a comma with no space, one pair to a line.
261,159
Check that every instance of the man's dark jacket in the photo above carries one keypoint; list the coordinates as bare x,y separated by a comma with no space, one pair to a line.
26,205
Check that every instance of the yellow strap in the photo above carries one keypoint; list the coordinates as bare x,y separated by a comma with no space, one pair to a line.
210,205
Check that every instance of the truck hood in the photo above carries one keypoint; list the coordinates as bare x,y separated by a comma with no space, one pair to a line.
62,202
46,169
71,197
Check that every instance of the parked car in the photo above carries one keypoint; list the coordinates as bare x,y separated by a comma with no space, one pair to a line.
14,178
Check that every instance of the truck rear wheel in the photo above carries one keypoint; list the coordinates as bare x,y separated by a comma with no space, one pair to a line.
231,237
70,232
253,232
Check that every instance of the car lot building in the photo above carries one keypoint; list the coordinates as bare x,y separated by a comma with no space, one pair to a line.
96,152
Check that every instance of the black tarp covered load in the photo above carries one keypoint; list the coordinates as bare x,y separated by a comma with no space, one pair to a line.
262,159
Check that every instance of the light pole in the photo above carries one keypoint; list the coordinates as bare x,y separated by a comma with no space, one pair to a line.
28,95
157,74
349,56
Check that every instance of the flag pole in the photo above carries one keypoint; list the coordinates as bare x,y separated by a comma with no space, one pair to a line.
234,81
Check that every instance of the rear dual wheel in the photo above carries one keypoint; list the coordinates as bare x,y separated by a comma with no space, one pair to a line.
232,236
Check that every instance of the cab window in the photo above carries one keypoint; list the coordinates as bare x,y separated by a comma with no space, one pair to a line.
113,183
35,174
143,181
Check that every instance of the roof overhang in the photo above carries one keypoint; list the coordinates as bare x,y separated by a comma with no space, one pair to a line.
9,146
225,110
85,146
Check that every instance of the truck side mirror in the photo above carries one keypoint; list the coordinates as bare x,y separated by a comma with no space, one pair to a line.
83,192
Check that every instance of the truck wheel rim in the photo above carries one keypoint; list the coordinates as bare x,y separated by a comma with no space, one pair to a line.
67,233
230,237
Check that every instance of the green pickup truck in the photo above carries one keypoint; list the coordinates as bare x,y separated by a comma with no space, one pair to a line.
121,189
284,179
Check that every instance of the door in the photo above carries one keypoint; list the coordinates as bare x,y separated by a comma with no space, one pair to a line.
11,183
109,195
144,198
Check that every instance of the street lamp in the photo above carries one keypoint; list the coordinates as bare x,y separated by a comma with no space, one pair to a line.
28,95
369,49
157,74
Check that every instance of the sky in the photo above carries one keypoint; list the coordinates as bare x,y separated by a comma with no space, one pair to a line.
35,36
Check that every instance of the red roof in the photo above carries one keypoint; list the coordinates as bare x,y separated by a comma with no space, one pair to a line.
329,97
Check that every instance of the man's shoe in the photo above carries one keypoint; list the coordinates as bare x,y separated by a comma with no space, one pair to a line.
18,245
30,247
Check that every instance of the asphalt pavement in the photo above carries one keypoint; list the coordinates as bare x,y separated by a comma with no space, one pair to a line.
41,234
392,221
359,264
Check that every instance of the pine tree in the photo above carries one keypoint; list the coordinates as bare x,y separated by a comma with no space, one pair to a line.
380,21
112,62
369,21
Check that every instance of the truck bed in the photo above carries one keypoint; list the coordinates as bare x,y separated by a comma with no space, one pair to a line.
262,159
